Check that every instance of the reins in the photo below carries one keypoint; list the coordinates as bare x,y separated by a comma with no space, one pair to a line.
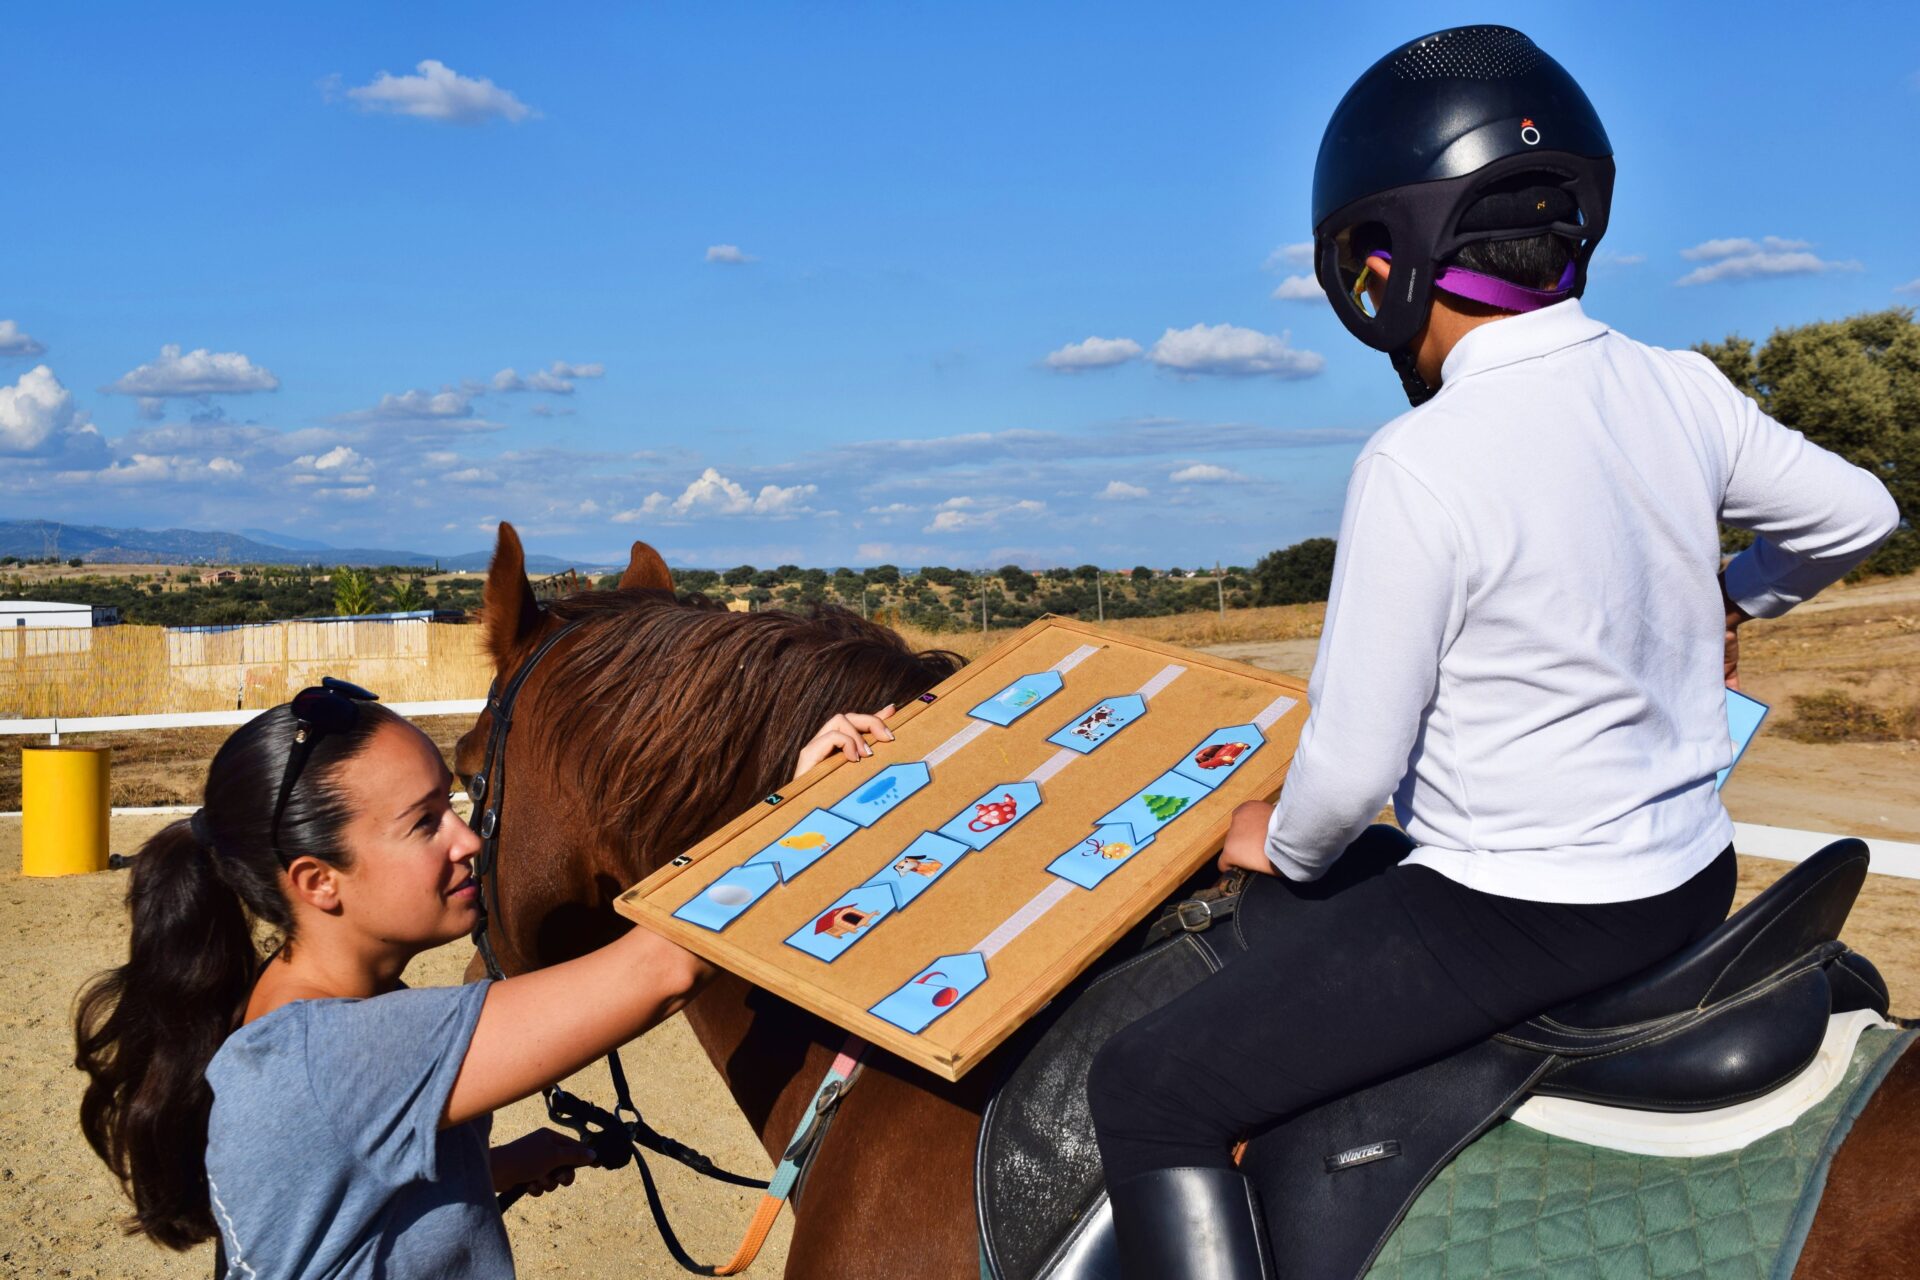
618,1136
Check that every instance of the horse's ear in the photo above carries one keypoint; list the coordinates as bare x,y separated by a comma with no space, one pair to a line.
508,609
646,571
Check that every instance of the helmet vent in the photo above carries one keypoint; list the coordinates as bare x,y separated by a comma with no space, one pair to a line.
1468,53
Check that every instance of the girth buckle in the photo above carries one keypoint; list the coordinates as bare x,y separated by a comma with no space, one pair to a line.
1194,915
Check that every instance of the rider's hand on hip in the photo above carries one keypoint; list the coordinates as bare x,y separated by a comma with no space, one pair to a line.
1246,845
846,733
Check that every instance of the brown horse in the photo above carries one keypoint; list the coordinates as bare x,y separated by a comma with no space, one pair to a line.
658,720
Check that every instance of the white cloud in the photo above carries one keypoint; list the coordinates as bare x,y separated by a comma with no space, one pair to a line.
715,495
1727,248
38,417
417,406
1743,258
556,379
892,509
439,93
1607,258
1229,351
150,468
15,343
1299,289
341,462
1118,489
728,255
199,372
1291,255
1201,472
961,513
1094,353
1911,286
472,475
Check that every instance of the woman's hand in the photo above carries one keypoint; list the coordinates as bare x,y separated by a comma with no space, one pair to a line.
541,1161
1246,845
843,734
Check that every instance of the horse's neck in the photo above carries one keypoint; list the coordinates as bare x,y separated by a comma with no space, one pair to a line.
765,1049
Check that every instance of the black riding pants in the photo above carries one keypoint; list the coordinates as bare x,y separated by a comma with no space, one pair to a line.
1376,968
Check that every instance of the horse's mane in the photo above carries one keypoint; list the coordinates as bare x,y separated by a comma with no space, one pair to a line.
671,717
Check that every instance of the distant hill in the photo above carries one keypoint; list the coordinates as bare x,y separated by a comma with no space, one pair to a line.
273,539
98,544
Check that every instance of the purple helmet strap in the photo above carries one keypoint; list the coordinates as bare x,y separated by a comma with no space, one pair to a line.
1494,292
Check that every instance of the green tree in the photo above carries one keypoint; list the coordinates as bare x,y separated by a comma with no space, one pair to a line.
1141,573
352,591
1017,580
1299,574
885,575
739,576
1852,386
408,595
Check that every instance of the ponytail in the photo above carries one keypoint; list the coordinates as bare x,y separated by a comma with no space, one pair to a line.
145,1032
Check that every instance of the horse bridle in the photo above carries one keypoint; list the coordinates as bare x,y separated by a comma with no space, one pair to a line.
616,1136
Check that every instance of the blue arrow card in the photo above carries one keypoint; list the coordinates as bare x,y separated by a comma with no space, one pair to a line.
884,790
931,992
919,865
1018,698
1099,855
1219,754
1158,803
808,841
851,917
1101,721
982,822
721,903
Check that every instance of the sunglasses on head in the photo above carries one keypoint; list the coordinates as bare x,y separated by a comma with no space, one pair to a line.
331,706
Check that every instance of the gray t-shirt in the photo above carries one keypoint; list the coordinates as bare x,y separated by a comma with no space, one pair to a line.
325,1155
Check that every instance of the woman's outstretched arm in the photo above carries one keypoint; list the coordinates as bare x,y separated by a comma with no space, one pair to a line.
543,1026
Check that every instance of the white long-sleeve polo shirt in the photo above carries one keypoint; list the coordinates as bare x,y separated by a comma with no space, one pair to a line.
1524,640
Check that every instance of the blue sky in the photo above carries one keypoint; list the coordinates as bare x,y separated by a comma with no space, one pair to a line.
777,283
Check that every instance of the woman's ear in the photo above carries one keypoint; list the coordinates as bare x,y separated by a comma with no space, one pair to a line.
315,883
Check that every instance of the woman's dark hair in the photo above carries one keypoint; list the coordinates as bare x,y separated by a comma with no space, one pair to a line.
146,1031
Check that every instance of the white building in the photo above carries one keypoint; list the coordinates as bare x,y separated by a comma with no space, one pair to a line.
50,613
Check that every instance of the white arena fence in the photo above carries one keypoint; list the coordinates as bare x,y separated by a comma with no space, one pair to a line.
1890,857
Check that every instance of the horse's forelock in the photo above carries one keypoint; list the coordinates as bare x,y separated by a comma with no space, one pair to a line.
670,718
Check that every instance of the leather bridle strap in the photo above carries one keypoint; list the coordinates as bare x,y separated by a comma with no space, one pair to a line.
487,788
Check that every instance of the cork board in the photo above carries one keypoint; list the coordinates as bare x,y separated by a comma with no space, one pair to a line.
1030,810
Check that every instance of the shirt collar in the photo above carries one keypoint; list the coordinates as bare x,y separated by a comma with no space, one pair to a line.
1519,337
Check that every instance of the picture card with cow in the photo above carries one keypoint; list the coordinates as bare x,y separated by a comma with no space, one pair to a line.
933,896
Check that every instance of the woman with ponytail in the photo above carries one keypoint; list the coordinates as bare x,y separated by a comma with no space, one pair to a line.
303,1104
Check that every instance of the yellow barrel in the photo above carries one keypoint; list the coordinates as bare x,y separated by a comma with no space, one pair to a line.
63,802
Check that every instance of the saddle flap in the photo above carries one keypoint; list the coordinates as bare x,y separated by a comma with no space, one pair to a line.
1037,1172
1795,915
1335,1180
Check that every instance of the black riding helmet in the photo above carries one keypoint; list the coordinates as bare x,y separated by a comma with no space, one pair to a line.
1465,135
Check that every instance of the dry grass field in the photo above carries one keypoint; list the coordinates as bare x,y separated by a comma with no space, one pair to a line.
1842,759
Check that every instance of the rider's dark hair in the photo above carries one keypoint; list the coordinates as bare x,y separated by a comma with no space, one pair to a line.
146,1031
1536,262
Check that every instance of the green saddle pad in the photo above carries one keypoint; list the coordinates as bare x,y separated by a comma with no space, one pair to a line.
1521,1203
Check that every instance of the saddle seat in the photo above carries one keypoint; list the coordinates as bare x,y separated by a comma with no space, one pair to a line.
1739,1014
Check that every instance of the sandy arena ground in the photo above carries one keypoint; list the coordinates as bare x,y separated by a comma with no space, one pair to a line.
58,1207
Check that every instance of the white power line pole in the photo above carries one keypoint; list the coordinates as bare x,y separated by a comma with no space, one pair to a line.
1099,600
1221,583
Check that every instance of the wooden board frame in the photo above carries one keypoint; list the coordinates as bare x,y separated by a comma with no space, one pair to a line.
942,918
